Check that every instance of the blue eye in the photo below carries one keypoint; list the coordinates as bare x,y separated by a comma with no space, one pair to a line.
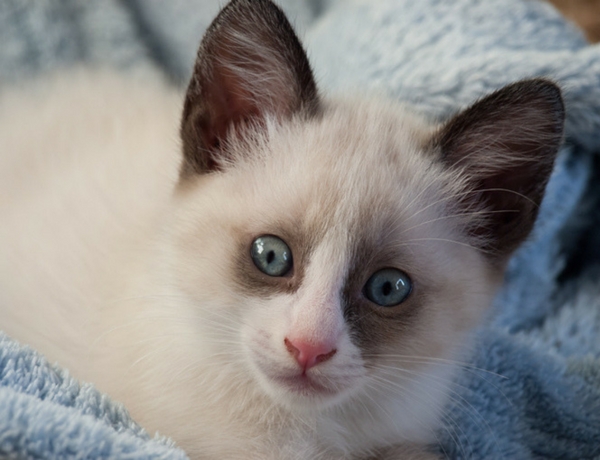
388,287
271,255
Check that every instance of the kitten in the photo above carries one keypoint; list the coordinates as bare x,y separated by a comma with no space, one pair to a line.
301,284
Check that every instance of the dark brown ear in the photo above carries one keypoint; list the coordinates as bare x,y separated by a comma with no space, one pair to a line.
505,144
250,65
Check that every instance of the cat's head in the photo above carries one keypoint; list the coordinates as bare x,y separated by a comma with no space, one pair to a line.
332,248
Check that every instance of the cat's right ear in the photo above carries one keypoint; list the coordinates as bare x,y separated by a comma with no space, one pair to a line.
250,66
504,145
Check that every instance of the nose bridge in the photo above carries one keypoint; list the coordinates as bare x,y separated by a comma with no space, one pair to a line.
317,315
317,318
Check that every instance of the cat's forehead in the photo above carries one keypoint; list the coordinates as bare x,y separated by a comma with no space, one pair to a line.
366,167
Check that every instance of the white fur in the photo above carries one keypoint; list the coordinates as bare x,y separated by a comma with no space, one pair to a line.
108,268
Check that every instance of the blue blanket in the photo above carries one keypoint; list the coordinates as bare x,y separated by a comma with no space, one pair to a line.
532,388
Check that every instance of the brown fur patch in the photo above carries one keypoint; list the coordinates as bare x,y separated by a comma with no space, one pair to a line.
373,326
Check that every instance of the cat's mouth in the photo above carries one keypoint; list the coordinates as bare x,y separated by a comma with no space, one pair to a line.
300,384
305,385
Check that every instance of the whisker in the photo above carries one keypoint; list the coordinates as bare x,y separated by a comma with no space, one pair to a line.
184,371
460,243
217,326
144,357
453,216
430,359
455,396
447,198
419,195
446,418
461,194
473,370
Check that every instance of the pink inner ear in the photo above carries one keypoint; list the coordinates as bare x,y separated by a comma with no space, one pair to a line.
230,105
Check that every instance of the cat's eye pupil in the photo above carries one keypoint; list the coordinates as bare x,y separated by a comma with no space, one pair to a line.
388,287
271,255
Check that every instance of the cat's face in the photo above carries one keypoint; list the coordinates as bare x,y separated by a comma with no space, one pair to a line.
353,193
332,249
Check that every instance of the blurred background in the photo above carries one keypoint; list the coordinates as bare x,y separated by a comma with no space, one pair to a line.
586,13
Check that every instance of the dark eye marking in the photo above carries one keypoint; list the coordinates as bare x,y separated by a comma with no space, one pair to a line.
271,255
388,287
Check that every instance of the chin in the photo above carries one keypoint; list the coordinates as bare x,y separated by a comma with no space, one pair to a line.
307,392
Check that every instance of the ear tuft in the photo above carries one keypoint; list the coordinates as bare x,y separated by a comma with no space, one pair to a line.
250,66
505,145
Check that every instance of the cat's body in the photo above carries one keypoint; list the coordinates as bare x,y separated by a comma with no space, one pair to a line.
148,284
77,199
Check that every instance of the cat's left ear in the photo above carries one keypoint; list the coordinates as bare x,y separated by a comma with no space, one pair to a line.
250,65
504,145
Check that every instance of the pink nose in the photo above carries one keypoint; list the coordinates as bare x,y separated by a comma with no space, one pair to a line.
309,354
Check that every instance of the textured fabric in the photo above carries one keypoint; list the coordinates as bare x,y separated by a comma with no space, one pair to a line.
532,387
48,415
